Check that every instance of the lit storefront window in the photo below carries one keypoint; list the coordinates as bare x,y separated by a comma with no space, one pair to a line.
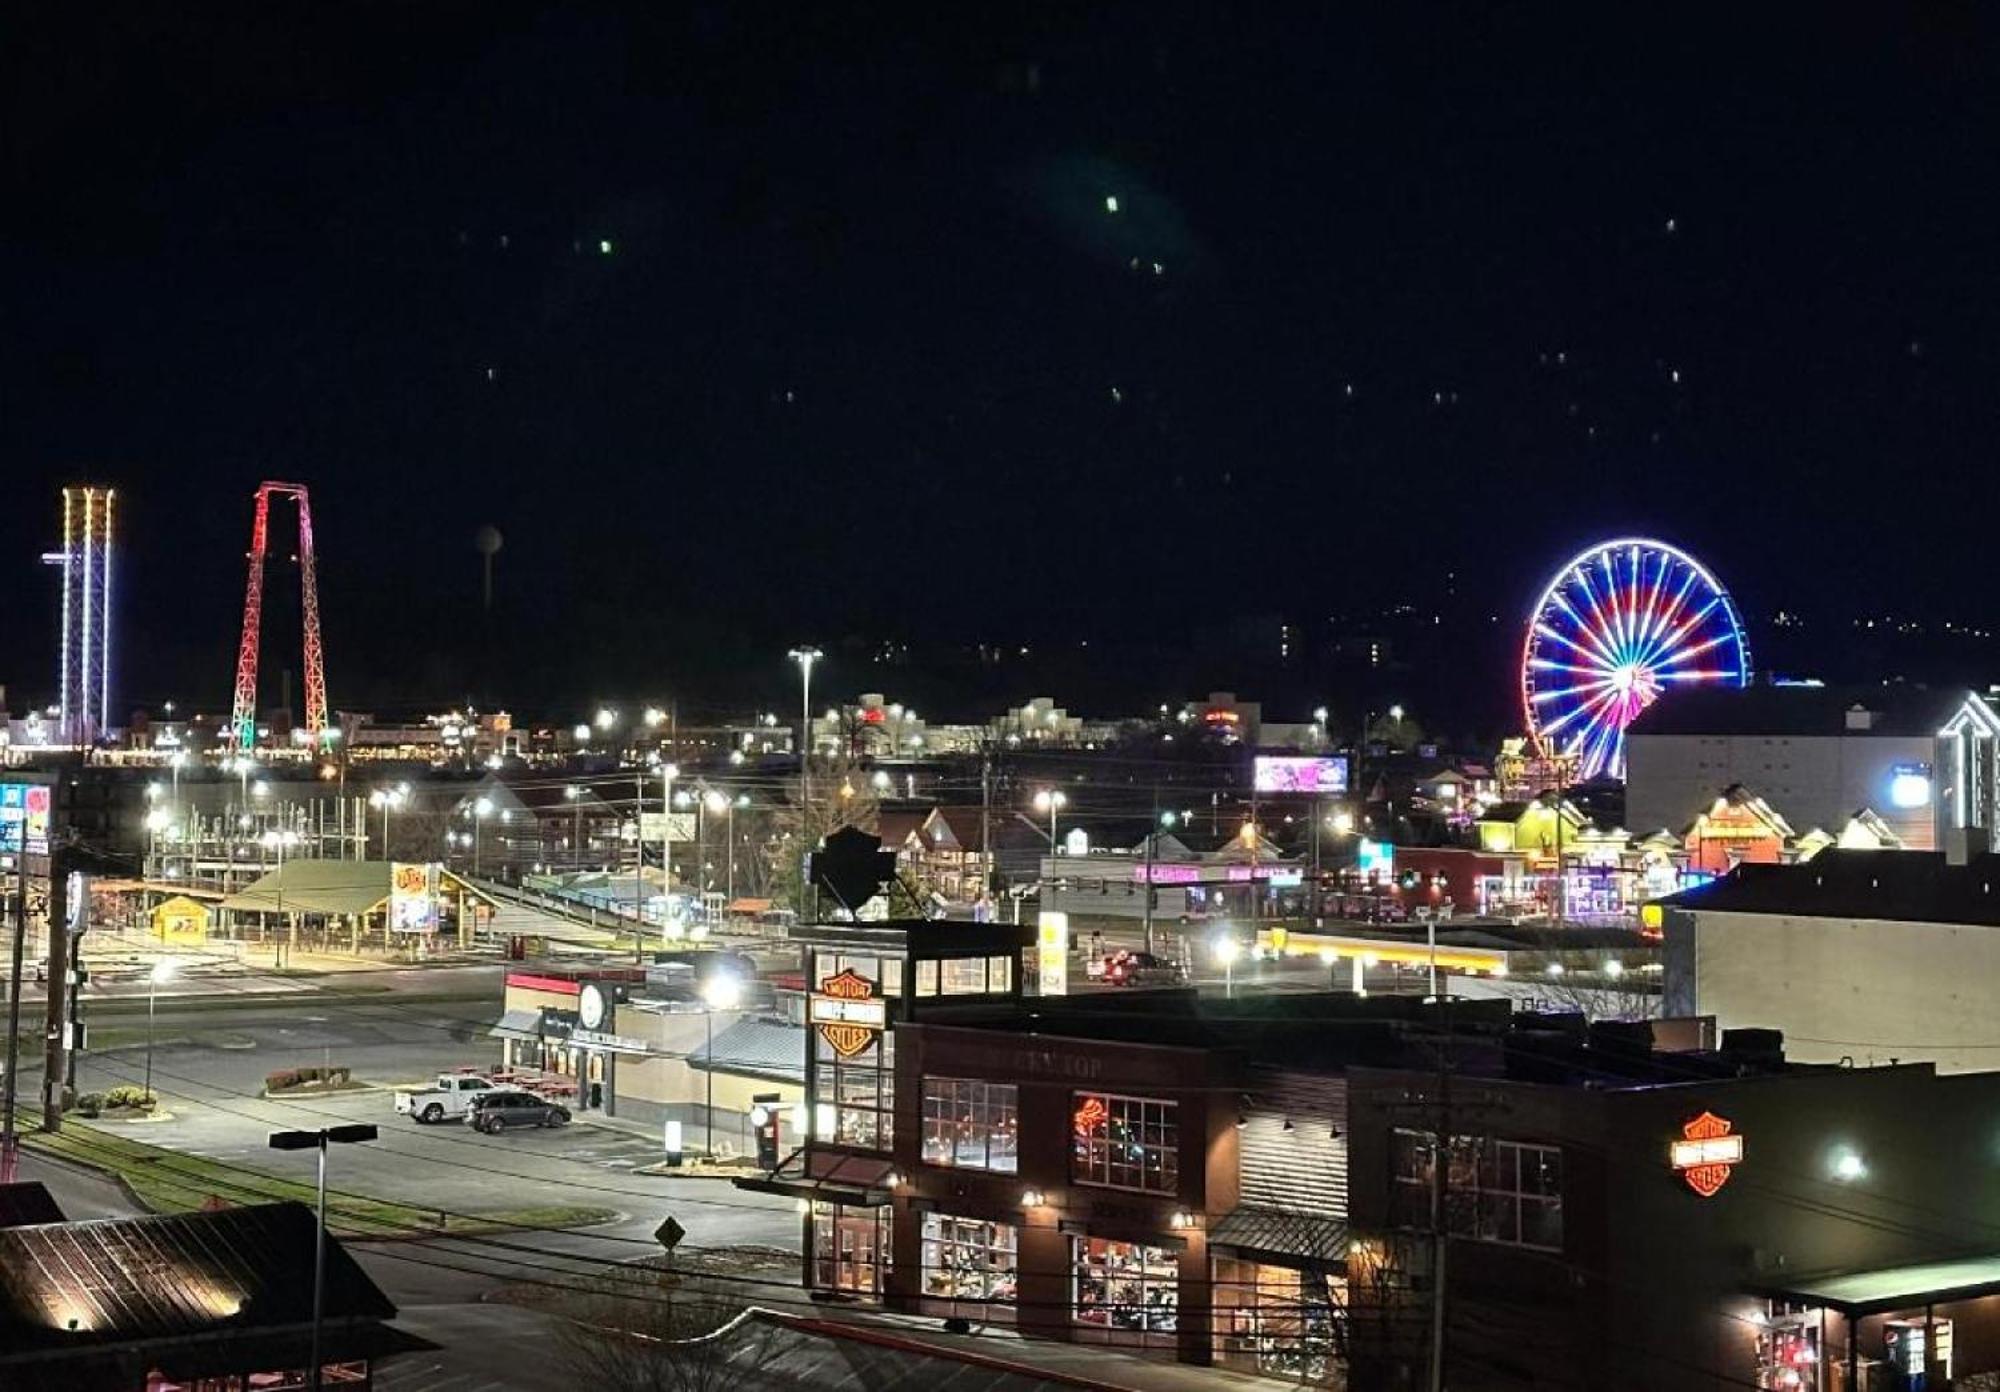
967,1259
860,1090
971,1124
1126,1286
1280,1321
1495,1190
1124,1143
851,1249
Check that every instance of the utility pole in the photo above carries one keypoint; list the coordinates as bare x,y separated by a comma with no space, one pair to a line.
1152,830
986,885
9,1143
55,1036
1440,1165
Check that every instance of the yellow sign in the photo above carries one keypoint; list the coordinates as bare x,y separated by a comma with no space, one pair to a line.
1052,952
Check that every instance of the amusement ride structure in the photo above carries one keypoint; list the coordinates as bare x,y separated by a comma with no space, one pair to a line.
243,713
1621,624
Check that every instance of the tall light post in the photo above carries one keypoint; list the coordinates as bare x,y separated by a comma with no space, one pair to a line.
276,840
722,991
1051,801
162,972
805,657
1226,950
725,806
319,1140
388,799
668,773
481,810
157,821
574,795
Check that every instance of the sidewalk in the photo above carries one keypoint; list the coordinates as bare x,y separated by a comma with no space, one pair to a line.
1105,1367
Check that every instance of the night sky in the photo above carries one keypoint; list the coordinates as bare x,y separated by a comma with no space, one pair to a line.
870,356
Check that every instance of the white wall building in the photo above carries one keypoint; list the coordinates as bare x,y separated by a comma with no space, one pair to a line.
1868,956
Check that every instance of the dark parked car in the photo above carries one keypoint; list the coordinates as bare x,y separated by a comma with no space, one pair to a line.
1140,969
496,1111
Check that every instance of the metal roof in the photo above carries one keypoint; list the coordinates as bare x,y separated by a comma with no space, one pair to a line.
124,1280
1892,1288
329,887
760,1048
1282,1232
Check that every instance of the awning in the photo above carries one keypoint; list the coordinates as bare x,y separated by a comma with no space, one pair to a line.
1276,1232
851,1180
518,1024
1891,1288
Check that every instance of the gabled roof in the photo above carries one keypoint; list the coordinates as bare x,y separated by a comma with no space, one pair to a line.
327,887
896,826
126,1280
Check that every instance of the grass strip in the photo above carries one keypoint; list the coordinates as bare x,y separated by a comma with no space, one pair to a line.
169,1181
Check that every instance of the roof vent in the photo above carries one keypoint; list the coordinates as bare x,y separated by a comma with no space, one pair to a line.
1860,718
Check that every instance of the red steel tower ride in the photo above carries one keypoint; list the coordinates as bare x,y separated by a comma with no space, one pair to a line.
243,715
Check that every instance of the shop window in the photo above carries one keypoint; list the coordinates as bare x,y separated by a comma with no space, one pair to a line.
963,976
1124,1142
972,1124
1494,1191
1280,1321
999,974
851,1248
927,978
967,1259
1126,1286
859,1091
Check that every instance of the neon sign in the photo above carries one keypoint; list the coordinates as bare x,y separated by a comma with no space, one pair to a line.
848,1013
1090,1115
1706,1153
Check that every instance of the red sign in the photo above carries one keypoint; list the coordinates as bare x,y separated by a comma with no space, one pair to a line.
1708,1150
1090,1115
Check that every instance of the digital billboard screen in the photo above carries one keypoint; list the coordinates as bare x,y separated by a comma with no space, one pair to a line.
1309,773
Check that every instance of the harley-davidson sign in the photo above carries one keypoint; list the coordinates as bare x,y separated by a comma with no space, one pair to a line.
848,1013
1708,1150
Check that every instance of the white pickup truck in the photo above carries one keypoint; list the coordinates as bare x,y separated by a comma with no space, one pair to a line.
450,1098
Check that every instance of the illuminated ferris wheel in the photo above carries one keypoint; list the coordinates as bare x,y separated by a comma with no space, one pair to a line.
1618,626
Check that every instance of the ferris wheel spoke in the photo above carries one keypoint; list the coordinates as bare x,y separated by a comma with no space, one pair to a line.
1686,654
1598,628
1673,642
1652,624
1670,615
1600,661
1581,709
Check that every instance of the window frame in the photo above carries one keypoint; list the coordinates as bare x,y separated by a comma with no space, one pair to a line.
1082,1148
944,1100
1485,1196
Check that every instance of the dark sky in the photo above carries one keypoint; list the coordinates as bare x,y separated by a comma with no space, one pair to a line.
870,355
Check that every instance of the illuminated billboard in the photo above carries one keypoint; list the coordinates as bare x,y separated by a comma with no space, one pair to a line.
1311,774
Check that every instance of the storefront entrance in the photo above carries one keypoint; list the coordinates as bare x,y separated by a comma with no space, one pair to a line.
850,1245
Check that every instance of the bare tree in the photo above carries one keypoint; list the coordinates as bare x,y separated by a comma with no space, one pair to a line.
636,1329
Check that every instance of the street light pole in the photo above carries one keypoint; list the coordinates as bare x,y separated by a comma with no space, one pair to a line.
722,991
163,970
805,657
318,1140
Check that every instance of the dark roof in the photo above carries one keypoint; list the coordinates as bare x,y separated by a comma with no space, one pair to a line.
1907,886
1282,1232
28,1202
1903,711
760,1048
128,1280
895,826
